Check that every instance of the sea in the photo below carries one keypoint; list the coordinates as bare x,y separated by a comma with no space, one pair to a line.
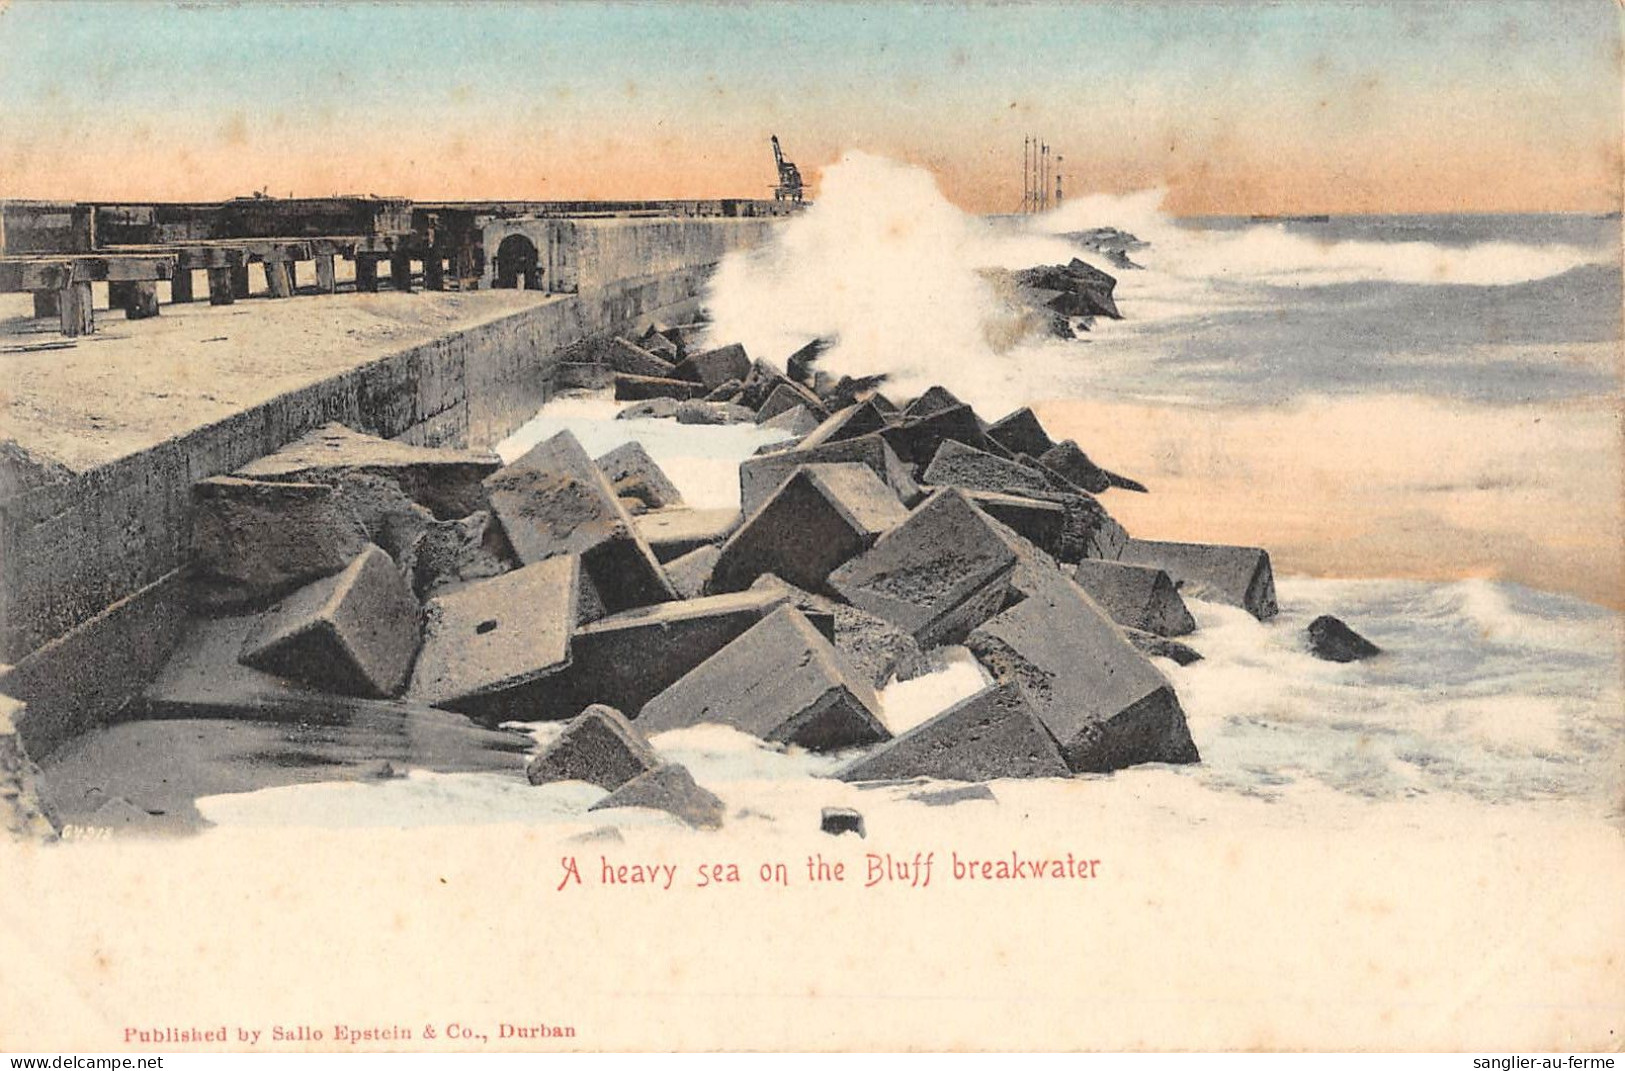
1487,695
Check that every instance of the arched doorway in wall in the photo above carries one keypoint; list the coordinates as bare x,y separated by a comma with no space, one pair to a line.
517,264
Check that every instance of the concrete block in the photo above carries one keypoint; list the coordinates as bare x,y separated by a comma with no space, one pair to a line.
782,681
797,421
1044,524
633,472
993,734
630,359
1136,596
668,788
642,388
584,375
1021,433
849,391
715,367
456,551
1072,463
958,465
653,409
555,501
875,648
838,820
1332,640
916,439
493,635
729,392
760,476
715,413
354,633
600,747
1155,646
821,516
937,575
1099,698
1236,576
934,400
690,574
661,346
628,658
787,395
672,533
849,423
447,482
253,541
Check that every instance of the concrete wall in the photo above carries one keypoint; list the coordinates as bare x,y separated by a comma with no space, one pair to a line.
88,568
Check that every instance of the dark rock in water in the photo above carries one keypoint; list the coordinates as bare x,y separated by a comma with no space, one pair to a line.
1021,433
916,439
799,365
856,419
653,409
355,633
1099,698
691,573
555,501
715,413
787,395
642,388
1238,576
798,421
599,746
1087,290
1072,463
456,551
937,575
875,648
947,797
1136,596
760,476
715,367
672,533
631,471
24,814
668,788
781,681
253,541
838,820
1332,640
1148,643
990,735
934,400
821,516
446,482
628,358
491,636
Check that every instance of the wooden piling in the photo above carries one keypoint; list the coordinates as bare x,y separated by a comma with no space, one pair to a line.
222,286
47,304
276,279
326,281
142,300
76,310
434,273
239,280
400,272
180,287
366,273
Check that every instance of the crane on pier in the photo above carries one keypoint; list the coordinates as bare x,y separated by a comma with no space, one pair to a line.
789,187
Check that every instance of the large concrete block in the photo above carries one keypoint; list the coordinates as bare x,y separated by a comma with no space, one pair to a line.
632,472
253,540
787,395
1042,523
627,659
670,788
555,501
1071,462
628,358
993,734
491,636
934,400
916,439
1237,576
672,533
456,551
660,345
937,575
646,388
862,418
797,421
822,515
354,633
447,482
599,746
1099,698
760,476
690,574
715,367
782,681
713,413
1021,433
958,465
875,648
1136,596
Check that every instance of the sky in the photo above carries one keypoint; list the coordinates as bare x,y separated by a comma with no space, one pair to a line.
1231,107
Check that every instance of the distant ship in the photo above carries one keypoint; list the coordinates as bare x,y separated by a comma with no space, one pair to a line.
1266,218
